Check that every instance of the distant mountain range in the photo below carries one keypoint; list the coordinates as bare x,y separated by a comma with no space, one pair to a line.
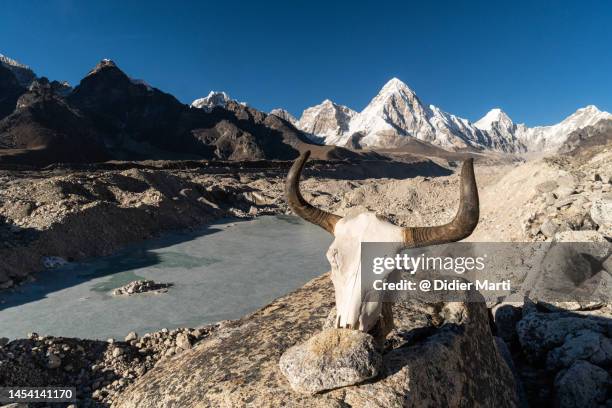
396,114
109,115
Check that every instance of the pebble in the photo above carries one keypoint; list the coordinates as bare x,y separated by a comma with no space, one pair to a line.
131,336
53,361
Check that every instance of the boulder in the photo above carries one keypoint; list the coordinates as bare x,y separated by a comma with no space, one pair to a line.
601,211
582,385
331,359
549,228
183,341
579,236
456,364
583,345
547,186
565,190
506,316
539,333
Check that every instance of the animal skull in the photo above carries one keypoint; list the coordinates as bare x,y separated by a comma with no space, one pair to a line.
344,254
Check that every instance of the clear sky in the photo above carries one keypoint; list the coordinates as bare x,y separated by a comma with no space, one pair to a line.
537,60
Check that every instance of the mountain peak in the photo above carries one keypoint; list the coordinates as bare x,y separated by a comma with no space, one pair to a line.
283,114
495,115
11,62
589,109
213,99
22,72
396,85
104,64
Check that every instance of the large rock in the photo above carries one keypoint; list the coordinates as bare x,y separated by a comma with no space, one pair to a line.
582,385
601,211
584,345
579,236
539,333
331,359
506,316
454,365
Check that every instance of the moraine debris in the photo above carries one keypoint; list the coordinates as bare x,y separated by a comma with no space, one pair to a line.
142,286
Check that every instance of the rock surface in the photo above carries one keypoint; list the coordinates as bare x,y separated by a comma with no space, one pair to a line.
331,359
98,369
601,211
453,365
582,385
141,286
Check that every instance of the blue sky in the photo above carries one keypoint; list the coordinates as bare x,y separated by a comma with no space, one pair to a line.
538,60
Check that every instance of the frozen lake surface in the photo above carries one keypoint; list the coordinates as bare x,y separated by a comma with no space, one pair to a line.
223,271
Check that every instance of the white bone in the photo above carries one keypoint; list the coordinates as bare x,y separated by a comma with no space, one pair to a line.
344,255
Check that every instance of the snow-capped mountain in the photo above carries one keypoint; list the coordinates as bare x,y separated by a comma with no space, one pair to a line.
22,72
539,138
283,114
545,138
213,99
496,120
327,120
396,112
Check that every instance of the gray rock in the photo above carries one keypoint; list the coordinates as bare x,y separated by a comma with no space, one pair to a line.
582,385
506,316
584,345
565,190
3,341
331,359
605,230
539,333
131,336
579,236
183,341
547,186
548,228
601,211
504,351
117,351
53,360
565,201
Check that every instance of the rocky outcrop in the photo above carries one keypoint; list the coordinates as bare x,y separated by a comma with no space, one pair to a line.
112,116
98,370
10,91
456,364
582,385
331,359
142,286
44,128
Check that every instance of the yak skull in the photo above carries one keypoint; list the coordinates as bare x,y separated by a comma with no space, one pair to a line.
352,311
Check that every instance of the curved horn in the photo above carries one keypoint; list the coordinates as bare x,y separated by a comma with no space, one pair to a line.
300,206
461,226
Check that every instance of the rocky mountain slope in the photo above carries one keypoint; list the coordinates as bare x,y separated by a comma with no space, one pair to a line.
328,121
22,72
112,116
396,113
283,114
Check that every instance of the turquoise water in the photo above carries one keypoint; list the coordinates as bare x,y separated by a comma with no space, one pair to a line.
223,271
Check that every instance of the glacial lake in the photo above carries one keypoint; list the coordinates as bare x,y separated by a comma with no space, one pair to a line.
222,271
